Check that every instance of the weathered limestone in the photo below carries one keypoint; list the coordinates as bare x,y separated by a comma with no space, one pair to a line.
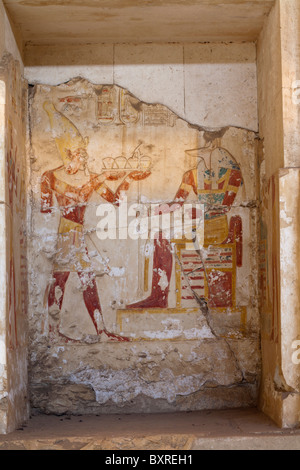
128,21
279,128
290,53
210,85
13,322
10,42
14,407
109,340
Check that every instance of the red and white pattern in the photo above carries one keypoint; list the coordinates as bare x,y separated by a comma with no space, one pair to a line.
217,264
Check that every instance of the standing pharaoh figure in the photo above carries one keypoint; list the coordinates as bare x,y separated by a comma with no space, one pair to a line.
73,185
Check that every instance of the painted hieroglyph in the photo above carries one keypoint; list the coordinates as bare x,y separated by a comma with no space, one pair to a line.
143,256
96,145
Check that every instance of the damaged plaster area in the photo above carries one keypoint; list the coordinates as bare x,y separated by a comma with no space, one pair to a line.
147,324
147,377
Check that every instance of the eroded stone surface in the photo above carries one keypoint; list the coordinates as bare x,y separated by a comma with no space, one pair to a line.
127,21
152,323
13,321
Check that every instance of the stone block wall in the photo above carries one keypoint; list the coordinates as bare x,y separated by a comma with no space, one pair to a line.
141,322
279,113
13,343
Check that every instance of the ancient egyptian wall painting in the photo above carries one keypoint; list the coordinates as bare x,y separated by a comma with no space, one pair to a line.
94,145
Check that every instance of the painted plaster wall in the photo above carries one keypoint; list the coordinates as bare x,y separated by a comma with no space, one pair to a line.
172,352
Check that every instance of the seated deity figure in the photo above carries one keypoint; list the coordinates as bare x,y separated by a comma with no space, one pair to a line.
215,182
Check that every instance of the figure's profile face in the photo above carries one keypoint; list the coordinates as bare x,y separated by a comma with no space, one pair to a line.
75,161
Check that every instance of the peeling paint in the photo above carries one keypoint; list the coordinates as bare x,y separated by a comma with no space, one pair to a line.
109,332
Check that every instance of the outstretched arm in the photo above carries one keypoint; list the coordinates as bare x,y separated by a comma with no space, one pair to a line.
124,186
102,189
188,184
106,193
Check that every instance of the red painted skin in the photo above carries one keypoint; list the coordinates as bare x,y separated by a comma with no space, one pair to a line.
72,202
163,259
